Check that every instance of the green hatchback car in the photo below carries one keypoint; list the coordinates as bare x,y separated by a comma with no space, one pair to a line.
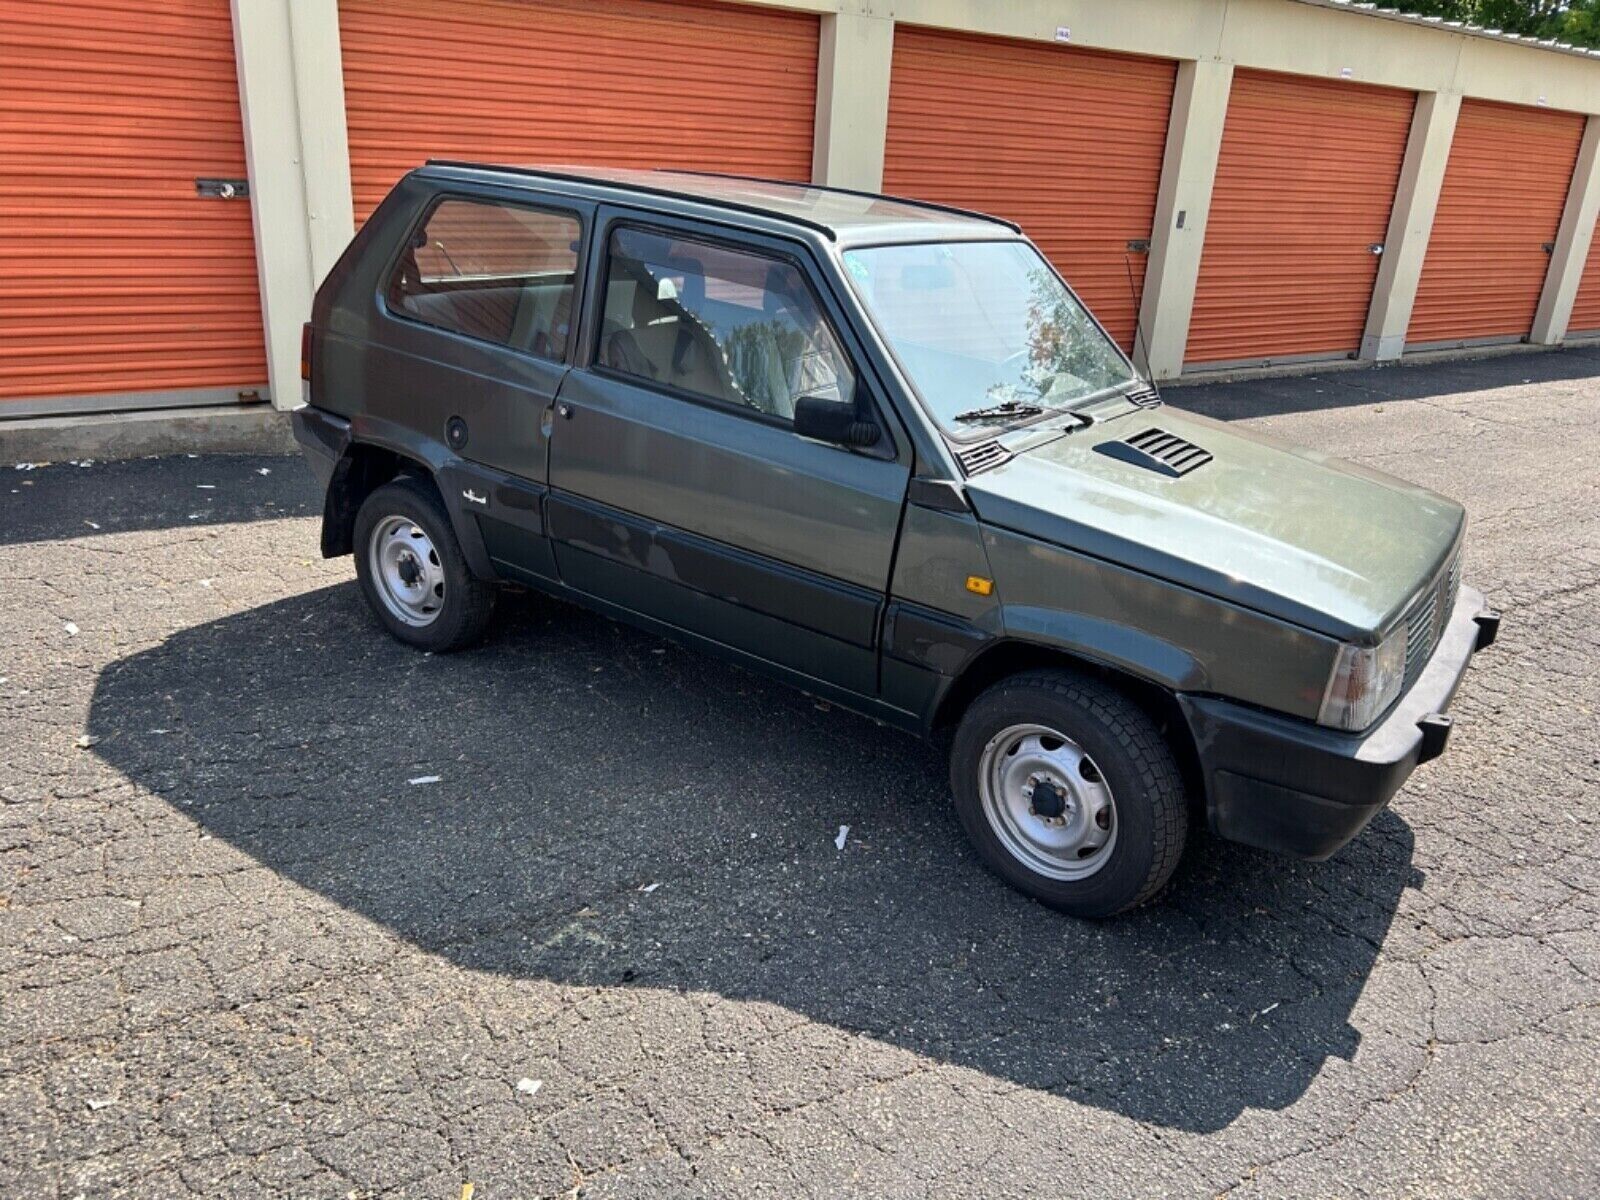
880,450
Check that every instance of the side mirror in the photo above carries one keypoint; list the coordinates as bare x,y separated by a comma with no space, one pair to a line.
836,421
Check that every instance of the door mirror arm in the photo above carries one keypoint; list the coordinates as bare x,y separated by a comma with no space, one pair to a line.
835,421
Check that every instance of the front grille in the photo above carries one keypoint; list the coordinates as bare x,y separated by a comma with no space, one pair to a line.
1429,614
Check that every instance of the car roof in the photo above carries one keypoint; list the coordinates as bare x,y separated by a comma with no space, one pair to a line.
839,214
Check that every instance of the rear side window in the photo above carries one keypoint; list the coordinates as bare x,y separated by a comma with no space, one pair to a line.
498,272
728,325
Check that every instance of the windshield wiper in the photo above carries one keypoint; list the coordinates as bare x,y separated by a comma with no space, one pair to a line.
1010,408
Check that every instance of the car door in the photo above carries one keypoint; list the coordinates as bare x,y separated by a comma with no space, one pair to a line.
480,309
679,488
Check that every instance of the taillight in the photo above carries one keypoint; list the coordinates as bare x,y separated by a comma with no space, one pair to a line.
305,352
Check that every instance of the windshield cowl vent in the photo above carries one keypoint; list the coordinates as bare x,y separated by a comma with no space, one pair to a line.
982,456
1145,396
1159,451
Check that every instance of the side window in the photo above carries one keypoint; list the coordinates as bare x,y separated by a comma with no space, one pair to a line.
725,324
497,272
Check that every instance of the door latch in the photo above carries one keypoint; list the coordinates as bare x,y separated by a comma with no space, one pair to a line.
222,189
1375,248
564,411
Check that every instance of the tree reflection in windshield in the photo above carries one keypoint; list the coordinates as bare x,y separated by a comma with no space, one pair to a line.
1068,356
984,325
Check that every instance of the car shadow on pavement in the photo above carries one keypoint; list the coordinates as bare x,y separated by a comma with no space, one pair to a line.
1352,387
62,501
579,762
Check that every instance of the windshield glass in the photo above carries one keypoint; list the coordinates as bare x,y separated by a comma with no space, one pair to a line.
982,326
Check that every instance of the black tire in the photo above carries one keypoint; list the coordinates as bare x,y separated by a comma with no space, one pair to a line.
467,602
1151,809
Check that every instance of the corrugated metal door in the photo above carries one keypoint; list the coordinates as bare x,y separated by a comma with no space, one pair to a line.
119,286
1504,188
633,83
1066,142
1305,183
1586,307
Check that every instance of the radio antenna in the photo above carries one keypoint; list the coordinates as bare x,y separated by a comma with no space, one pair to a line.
1138,324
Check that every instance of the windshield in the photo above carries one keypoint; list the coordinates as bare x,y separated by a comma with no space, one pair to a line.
986,330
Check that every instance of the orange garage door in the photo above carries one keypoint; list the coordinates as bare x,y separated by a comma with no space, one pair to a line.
1305,183
118,284
633,83
1586,308
1504,188
1065,142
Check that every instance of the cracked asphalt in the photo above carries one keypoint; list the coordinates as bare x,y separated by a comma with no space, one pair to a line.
613,950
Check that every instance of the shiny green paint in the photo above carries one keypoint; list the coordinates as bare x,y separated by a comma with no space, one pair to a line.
1175,637
1281,530
938,552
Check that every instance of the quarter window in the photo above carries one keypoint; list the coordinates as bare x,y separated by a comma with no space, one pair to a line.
497,272
731,326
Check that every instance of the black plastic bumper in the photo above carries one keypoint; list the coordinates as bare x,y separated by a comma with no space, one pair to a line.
324,438
1300,789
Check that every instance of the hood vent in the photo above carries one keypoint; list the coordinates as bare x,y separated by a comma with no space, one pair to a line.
982,456
1159,451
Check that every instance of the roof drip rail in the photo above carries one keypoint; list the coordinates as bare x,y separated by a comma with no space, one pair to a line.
594,181
844,191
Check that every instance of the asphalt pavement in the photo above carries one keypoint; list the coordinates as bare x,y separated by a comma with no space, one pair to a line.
287,909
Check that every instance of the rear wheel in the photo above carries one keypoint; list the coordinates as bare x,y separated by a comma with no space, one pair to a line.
412,571
1069,792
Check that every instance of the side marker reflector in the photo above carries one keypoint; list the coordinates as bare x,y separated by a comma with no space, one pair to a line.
979,586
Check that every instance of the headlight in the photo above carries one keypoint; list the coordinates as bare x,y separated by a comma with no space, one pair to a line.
1364,682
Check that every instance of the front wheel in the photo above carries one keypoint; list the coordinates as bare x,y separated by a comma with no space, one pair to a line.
1069,792
412,571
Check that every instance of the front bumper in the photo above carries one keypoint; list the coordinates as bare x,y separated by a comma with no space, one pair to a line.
1301,789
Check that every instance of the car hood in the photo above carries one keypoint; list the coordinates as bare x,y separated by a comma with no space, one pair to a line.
1324,543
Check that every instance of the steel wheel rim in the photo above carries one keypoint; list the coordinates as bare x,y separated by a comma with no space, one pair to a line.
407,571
1047,802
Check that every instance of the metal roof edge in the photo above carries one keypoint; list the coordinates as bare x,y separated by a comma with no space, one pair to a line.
1466,29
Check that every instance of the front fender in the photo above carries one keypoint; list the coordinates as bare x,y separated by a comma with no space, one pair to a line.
1108,643
1159,631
